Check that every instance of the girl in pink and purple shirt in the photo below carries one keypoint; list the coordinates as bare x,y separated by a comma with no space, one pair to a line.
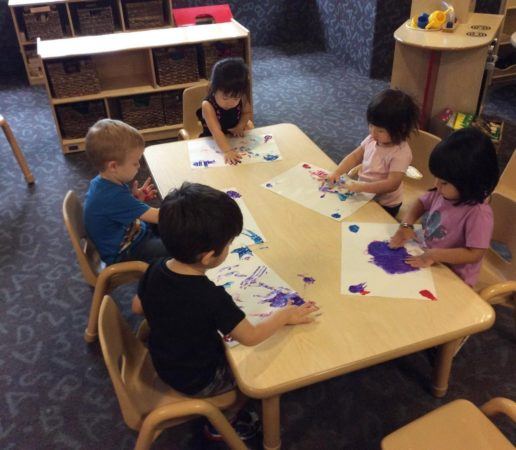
384,154
457,219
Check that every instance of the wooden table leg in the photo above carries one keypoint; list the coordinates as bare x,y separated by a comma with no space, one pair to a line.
445,354
271,423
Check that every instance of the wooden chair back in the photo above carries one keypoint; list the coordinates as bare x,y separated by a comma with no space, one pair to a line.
422,143
507,183
192,99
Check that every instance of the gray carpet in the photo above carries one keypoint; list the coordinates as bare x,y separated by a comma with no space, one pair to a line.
55,391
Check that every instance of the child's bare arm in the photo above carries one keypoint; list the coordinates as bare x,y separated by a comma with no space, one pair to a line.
136,305
248,334
245,117
405,234
208,112
391,183
463,255
151,215
353,159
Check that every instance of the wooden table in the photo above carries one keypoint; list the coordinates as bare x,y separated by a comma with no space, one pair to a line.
352,332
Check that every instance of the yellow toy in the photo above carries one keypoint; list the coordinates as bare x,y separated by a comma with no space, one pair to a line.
437,19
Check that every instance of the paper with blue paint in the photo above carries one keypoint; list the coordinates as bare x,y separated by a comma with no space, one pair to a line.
255,287
370,268
251,233
253,147
303,184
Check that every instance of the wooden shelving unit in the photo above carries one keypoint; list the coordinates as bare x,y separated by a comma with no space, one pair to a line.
125,67
505,48
69,12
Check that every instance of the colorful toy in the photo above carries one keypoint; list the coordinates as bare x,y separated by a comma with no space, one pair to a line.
436,20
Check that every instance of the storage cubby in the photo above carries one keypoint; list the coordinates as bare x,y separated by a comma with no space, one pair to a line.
95,17
145,14
136,77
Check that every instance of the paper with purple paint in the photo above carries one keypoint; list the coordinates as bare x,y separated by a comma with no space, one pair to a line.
304,184
255,287
251,233
253,147
369,267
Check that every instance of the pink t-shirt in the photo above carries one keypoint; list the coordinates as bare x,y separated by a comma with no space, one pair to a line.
379,161
448,226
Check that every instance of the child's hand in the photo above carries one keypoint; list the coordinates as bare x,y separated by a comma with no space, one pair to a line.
300,314
424,260
332,178
238,130
353,186
146,192
401,236
232,157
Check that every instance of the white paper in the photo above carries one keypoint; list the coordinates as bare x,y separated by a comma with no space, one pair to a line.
253,147
303,184
361,276
251,233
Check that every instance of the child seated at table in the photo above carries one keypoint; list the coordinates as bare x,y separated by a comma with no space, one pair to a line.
457,221
227,107
185,310
384,154
115,216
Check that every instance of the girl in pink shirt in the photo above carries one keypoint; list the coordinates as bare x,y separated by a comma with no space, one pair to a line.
457,221
384,154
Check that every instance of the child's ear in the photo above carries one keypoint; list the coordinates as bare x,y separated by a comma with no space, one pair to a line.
111,165
207,257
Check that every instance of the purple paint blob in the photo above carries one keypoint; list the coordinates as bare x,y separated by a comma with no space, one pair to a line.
267,138
270,157
233,194
269,185
279,298
306,279
354,228
336,215
322,196
358,289
391,260
203,163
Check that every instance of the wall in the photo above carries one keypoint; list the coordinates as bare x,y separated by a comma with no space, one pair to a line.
11,62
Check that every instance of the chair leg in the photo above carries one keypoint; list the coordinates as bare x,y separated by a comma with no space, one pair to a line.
20,158
101,289
443,365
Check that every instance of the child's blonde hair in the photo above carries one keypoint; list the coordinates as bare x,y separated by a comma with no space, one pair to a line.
111,140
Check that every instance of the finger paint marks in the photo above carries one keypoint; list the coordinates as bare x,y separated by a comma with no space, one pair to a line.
243,252
257,239
426,293
342,197
269,185
354,228
271,157
307,166
336,215
358,289
251,279
306,278
322,196
227,285
267,138
233,194
279,298
203,163
391,260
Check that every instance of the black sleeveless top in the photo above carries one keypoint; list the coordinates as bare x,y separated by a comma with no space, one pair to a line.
228,118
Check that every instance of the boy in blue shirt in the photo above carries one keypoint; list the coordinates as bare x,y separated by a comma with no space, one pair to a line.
185,310
115,216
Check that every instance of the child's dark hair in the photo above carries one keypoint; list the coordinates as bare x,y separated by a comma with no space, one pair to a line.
197,218
395,111
231,76
467,159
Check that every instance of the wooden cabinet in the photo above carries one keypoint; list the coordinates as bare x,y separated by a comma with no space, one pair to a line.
122,76
54,19
505,70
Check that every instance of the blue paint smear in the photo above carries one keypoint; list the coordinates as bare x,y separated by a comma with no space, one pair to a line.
227,285
233,194
269,185
279,298
391,260
251,234
242,252
270,157
357,288
306,278
204,163
342,197
354,228
336,215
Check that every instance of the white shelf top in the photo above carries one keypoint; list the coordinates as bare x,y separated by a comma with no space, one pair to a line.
90,45
34,2
457,40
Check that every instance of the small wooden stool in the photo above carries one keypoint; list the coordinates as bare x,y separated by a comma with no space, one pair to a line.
16,150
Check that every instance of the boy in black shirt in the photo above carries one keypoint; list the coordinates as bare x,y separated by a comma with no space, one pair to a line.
184,309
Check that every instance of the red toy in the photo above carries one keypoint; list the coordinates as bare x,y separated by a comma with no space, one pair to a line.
202,15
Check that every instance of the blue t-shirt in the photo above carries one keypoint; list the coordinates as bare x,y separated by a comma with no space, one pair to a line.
111,218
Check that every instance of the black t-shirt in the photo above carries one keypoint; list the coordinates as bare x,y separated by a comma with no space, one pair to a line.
184,313
228,118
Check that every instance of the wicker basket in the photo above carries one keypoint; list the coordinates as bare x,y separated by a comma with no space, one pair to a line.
143,111
73,77
215,51
95,18
75,119
43,22
175,65
144,14
173,107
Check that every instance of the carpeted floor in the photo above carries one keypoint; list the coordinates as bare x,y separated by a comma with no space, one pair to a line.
55,390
